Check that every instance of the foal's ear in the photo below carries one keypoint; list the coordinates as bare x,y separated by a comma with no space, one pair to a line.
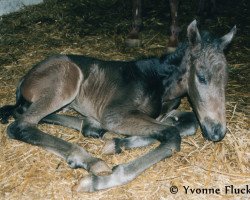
193,33
226,39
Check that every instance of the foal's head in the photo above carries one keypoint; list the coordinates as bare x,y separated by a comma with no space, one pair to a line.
207,80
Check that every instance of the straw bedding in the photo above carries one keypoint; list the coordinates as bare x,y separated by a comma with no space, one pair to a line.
81,27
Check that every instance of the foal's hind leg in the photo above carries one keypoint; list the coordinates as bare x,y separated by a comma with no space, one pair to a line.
50,86
64,120
88,127
25,129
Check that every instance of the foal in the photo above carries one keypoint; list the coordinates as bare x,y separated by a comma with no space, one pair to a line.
130,98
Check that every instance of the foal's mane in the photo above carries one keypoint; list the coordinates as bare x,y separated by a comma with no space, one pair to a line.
176,57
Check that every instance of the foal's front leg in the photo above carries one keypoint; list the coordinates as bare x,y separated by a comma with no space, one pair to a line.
185,122
134,123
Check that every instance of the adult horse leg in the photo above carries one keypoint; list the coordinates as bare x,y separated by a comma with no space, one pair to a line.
207,10
133,39
174,28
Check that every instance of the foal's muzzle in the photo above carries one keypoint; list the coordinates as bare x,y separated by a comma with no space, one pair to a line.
213,131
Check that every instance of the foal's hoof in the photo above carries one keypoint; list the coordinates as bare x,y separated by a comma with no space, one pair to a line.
131,42
100,168
112,147
85,184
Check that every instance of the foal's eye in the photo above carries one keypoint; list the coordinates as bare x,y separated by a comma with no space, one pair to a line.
202,79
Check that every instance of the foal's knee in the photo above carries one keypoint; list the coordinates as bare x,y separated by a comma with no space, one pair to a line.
171,136
187,123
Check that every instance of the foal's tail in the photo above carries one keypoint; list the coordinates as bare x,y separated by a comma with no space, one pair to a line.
9,110
6,112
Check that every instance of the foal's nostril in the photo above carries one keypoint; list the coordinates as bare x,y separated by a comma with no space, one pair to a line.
216,137
216,132
213,132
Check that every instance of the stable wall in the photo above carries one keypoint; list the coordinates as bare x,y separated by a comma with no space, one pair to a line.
8,6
